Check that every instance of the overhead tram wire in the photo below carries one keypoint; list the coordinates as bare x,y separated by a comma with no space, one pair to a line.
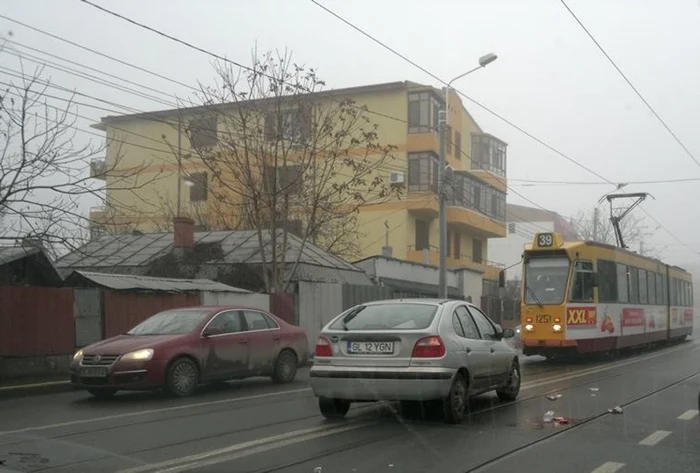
483,107
632,86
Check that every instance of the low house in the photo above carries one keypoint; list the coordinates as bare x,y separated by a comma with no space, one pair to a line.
22,265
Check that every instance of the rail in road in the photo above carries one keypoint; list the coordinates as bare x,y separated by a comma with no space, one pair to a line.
254,426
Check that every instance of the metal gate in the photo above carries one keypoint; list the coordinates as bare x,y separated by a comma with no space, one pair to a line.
88,316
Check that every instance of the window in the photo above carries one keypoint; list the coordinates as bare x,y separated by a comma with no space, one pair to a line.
393,316
457,325
660,289
467,323
199,189
545,280
651,287
633,284
422,172
622,289
289,179
511,228
257,321
477,251
293,124
485,326
458,145
423,109
664,286
457,247
291,225
607,281
643,287
226,322
582,287
488,154
422,235
202,133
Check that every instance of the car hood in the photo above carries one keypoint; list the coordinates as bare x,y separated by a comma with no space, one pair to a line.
125,343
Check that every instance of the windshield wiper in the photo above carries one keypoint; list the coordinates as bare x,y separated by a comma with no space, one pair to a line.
344,321
534,296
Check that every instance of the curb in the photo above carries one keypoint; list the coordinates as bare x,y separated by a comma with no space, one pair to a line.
35,389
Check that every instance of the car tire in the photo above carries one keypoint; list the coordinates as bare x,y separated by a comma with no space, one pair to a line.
456,404
285,369
182,377
333,408
510,390
102,393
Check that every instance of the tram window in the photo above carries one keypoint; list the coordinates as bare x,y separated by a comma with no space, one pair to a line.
582,288
643,287
664,287
633,284
690,287
607,281
622,292
651,282
674,292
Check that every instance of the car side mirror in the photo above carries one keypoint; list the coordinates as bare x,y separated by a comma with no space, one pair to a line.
210,331
508,333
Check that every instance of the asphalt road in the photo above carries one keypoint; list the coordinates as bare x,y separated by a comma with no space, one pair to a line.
254,426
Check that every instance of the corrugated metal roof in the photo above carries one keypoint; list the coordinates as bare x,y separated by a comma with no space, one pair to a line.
123,282
9,254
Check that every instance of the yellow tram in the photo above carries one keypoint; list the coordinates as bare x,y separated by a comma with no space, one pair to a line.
583,297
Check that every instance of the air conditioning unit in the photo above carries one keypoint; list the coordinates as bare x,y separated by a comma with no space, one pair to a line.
396,178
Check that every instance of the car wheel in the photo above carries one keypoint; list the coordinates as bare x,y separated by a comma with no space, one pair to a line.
333,408
455,406
102,393
182,377
510,390
285,367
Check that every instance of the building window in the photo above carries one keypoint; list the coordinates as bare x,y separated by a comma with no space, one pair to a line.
199,188
422,172
423,108
582,288
477,251
288,182
293,124
202,133
458,145
511,228
489,154
422,235
607,281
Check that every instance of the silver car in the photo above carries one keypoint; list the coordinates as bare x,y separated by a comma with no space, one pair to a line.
413,350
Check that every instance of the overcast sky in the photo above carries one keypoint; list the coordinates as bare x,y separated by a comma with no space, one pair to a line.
550,79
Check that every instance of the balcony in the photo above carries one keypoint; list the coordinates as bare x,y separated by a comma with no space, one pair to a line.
98,169
431,256
488,155
97,214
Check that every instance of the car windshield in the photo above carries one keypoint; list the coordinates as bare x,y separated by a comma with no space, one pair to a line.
386,317
170,323
545,280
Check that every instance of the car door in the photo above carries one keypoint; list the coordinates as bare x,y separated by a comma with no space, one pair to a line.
227,346
475,350
500,364
263,341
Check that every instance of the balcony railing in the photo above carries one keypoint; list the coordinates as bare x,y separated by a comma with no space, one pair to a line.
431,256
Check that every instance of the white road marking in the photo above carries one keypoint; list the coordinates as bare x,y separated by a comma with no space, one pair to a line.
35,385
655,438
250,448
608,467
688,415
152,411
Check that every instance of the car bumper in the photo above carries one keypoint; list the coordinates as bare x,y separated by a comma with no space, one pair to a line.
391,384
145,376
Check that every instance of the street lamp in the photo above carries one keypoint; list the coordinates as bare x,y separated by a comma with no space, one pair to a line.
443,119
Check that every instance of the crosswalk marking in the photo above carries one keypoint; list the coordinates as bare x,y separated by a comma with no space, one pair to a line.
655,438
688,415
608,467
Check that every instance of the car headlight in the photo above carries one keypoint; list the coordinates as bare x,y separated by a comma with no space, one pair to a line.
78,355
139,355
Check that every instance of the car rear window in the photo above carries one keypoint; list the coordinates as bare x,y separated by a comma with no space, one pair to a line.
387,317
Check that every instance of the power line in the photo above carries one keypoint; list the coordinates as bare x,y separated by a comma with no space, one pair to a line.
629,82
533,182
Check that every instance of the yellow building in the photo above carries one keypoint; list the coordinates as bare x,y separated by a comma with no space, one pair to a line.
145,179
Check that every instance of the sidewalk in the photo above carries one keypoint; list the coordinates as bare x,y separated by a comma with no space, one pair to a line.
34,386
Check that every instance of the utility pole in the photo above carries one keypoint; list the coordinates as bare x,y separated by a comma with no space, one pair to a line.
179,163
595,224
442,199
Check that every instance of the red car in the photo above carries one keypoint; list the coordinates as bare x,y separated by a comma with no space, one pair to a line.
181,348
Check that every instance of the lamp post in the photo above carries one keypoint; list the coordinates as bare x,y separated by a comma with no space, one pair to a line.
442,164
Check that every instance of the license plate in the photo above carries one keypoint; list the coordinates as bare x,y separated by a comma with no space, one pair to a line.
93,372
544,319
371,348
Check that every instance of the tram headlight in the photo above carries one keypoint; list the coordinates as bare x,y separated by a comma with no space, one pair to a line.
529,327
556,327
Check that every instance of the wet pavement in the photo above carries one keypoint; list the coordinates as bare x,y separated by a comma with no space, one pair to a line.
255,426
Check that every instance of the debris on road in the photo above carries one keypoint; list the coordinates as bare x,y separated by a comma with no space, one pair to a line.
615,410
548,416
595,390
553,396
561,420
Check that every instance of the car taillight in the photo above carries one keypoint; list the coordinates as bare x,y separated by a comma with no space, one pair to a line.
429,347
323,347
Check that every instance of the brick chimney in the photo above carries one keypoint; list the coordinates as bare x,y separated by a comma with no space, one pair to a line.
183,228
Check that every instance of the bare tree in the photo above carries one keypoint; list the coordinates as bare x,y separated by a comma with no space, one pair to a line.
287,157
596,226
44,167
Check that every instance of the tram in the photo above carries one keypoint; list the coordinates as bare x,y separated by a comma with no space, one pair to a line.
584,297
